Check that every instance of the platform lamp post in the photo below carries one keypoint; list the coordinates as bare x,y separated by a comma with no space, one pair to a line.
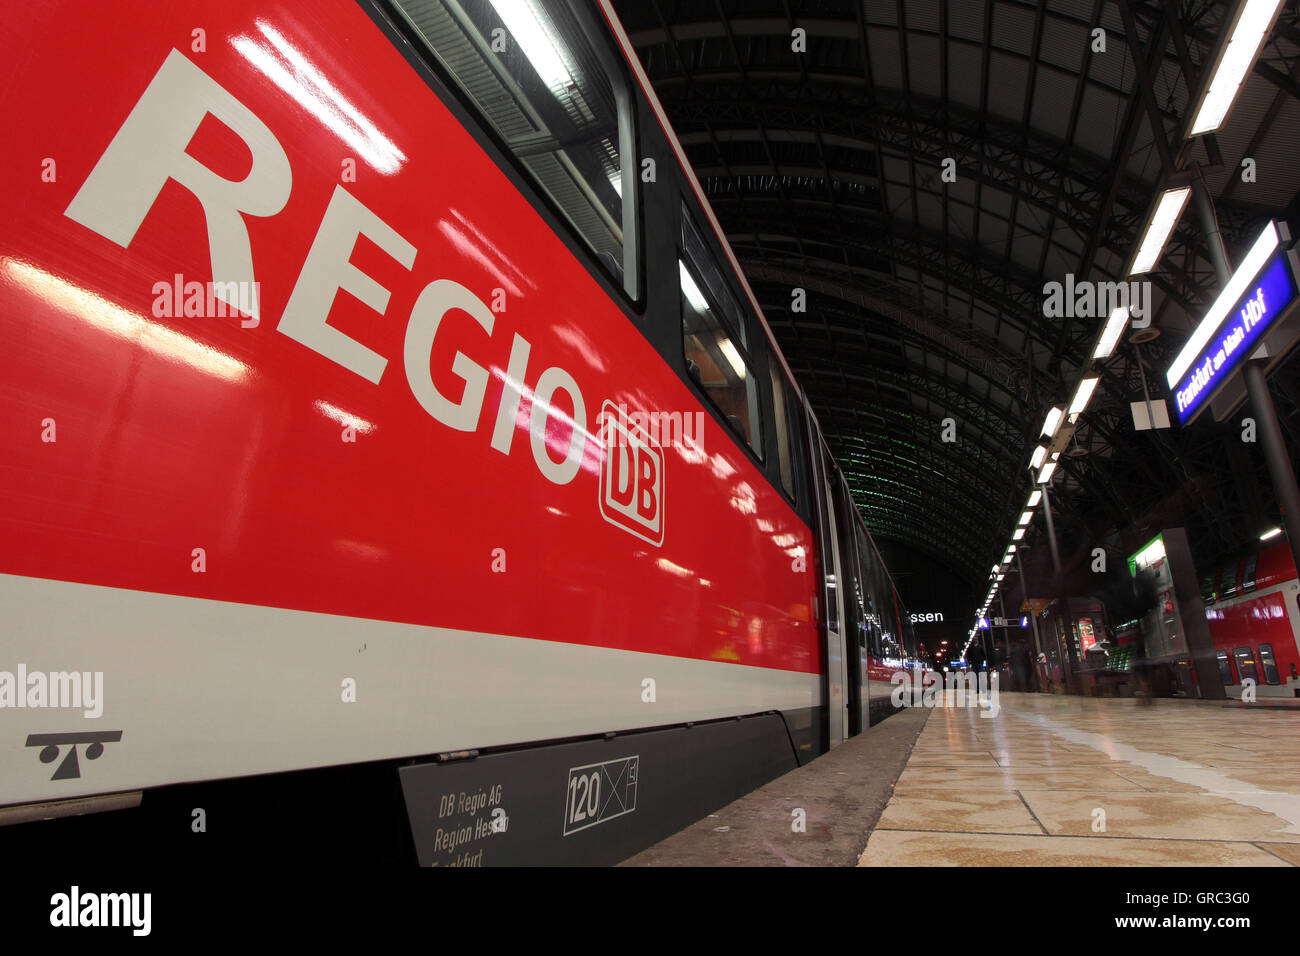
1276,457
1006,635
1069,662
1033,614
1244,37
986,639
1051,531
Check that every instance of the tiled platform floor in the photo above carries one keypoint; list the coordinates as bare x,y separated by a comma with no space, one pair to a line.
1060,781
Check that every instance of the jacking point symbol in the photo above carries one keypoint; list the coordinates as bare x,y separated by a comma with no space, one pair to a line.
70,769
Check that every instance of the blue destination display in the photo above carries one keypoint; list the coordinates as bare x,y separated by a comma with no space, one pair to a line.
1249,319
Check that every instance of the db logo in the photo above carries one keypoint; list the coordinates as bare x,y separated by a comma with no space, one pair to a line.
632,477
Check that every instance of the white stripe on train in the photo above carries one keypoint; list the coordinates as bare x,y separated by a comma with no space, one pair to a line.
204,689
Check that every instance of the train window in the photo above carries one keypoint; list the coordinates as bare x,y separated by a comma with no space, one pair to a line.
1245,664
883,646
1248,575
851,583
1225,667
698,252
558,101
716,357
1269,663
1208,596
1228,582
782,426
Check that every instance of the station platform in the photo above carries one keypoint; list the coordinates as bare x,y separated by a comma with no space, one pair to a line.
1051,780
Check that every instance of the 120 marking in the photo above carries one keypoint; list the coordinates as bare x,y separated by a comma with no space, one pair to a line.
600,792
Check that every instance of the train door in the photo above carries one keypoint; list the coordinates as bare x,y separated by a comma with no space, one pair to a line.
853,593
835,696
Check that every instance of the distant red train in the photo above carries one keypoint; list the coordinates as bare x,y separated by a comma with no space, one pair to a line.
379,391
1253,607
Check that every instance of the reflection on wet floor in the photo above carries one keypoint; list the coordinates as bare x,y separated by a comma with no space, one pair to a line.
1059,781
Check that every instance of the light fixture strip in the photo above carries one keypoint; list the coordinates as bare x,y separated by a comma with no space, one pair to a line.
1052,422
1083,394
1110,334
1169,209
1248,34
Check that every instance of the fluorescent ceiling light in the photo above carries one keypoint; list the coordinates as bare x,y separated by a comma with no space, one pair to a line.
1248,35
1025,518
1270,534
1162,223
1053,422
1011,549
995,568
1034,498
1083,394
521,20
1263,247
693,294
1037,457
1111,333
729,350
1018,534
1045,475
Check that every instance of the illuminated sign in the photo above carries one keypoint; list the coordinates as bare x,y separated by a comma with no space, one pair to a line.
1150,553
1252,303
1086,636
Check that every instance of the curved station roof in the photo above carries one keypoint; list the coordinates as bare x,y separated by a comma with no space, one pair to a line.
924,280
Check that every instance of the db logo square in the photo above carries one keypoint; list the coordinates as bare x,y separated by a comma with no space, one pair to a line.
631,477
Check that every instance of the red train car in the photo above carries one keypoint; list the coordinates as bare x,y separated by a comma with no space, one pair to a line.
380,393
1253,607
